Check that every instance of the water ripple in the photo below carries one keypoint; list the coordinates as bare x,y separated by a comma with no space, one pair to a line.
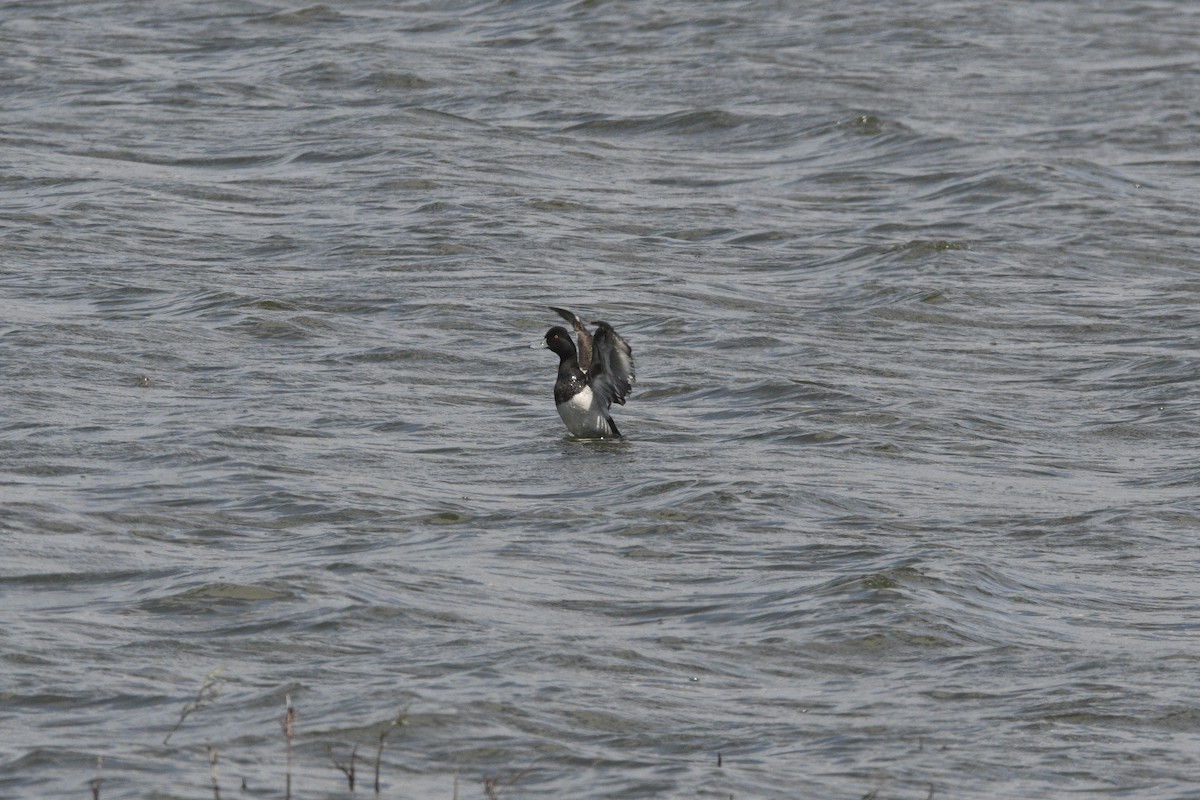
908,477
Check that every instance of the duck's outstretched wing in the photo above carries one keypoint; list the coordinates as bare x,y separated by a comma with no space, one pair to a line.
581,335
611,376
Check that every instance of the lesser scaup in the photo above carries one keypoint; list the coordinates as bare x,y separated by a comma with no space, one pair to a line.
591,378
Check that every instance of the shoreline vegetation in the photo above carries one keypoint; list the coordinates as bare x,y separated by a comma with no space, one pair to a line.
209,691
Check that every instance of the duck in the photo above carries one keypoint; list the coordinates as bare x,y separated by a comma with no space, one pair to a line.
591,377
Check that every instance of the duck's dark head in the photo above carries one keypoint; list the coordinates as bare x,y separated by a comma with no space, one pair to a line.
559,340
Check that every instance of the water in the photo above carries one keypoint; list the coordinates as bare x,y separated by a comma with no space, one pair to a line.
907,503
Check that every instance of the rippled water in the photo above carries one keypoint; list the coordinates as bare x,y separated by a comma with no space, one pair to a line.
907,505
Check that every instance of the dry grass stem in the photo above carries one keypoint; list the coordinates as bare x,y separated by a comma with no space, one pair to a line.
212,771
288,726
96,781
492,783
208,692
347,770
396,723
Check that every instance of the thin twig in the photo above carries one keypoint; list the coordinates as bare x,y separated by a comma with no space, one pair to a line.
396,723
491,783
288,726
347,770
212,771
208,692
96,781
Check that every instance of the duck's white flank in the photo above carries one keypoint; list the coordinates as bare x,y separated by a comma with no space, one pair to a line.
583,416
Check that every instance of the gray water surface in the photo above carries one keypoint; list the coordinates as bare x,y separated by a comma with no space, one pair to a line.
907,503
